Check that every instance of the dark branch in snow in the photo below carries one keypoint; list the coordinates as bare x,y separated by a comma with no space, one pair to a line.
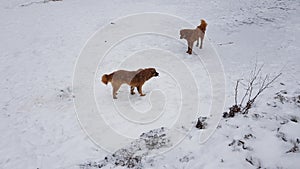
38,2
227,43
295,148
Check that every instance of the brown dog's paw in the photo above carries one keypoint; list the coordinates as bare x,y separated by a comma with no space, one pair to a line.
115,97
132,93
143,94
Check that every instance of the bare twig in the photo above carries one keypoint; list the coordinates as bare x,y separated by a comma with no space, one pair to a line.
236,91
245,95
263,86
254,80
253,76
267,85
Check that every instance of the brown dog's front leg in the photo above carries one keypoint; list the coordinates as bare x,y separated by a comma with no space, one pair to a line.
140,91
132,90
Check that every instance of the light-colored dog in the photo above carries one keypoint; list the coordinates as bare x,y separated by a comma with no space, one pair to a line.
192,35
132,78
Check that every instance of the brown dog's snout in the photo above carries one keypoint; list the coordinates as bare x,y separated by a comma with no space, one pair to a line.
156,74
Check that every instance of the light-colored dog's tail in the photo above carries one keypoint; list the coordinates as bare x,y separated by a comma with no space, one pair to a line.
181,34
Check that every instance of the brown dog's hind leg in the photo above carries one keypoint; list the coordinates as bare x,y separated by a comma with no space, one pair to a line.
132,90
140,90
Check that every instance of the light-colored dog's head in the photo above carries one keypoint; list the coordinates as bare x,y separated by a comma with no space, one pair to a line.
105,79
202,26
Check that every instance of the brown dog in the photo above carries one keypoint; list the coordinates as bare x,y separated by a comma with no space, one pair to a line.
192,35
132,78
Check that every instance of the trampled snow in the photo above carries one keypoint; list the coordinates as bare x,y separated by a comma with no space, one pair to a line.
40,44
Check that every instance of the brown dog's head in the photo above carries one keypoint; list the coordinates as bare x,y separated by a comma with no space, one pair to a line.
142,76
153,72
202,26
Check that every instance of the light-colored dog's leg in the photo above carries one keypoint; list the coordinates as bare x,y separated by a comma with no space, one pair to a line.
201,43
115,90
190,47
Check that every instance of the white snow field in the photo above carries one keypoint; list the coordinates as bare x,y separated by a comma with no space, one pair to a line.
41,42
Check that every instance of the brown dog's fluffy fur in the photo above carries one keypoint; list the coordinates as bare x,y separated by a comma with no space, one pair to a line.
132,78
192,35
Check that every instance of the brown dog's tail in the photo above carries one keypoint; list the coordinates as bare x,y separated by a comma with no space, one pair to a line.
107,78
203,26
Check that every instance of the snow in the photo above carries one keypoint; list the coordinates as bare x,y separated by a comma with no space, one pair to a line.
40,44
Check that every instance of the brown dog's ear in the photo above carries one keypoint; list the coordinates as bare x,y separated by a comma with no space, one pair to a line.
105,79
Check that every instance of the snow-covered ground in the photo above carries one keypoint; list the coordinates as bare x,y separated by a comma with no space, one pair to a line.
40,44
